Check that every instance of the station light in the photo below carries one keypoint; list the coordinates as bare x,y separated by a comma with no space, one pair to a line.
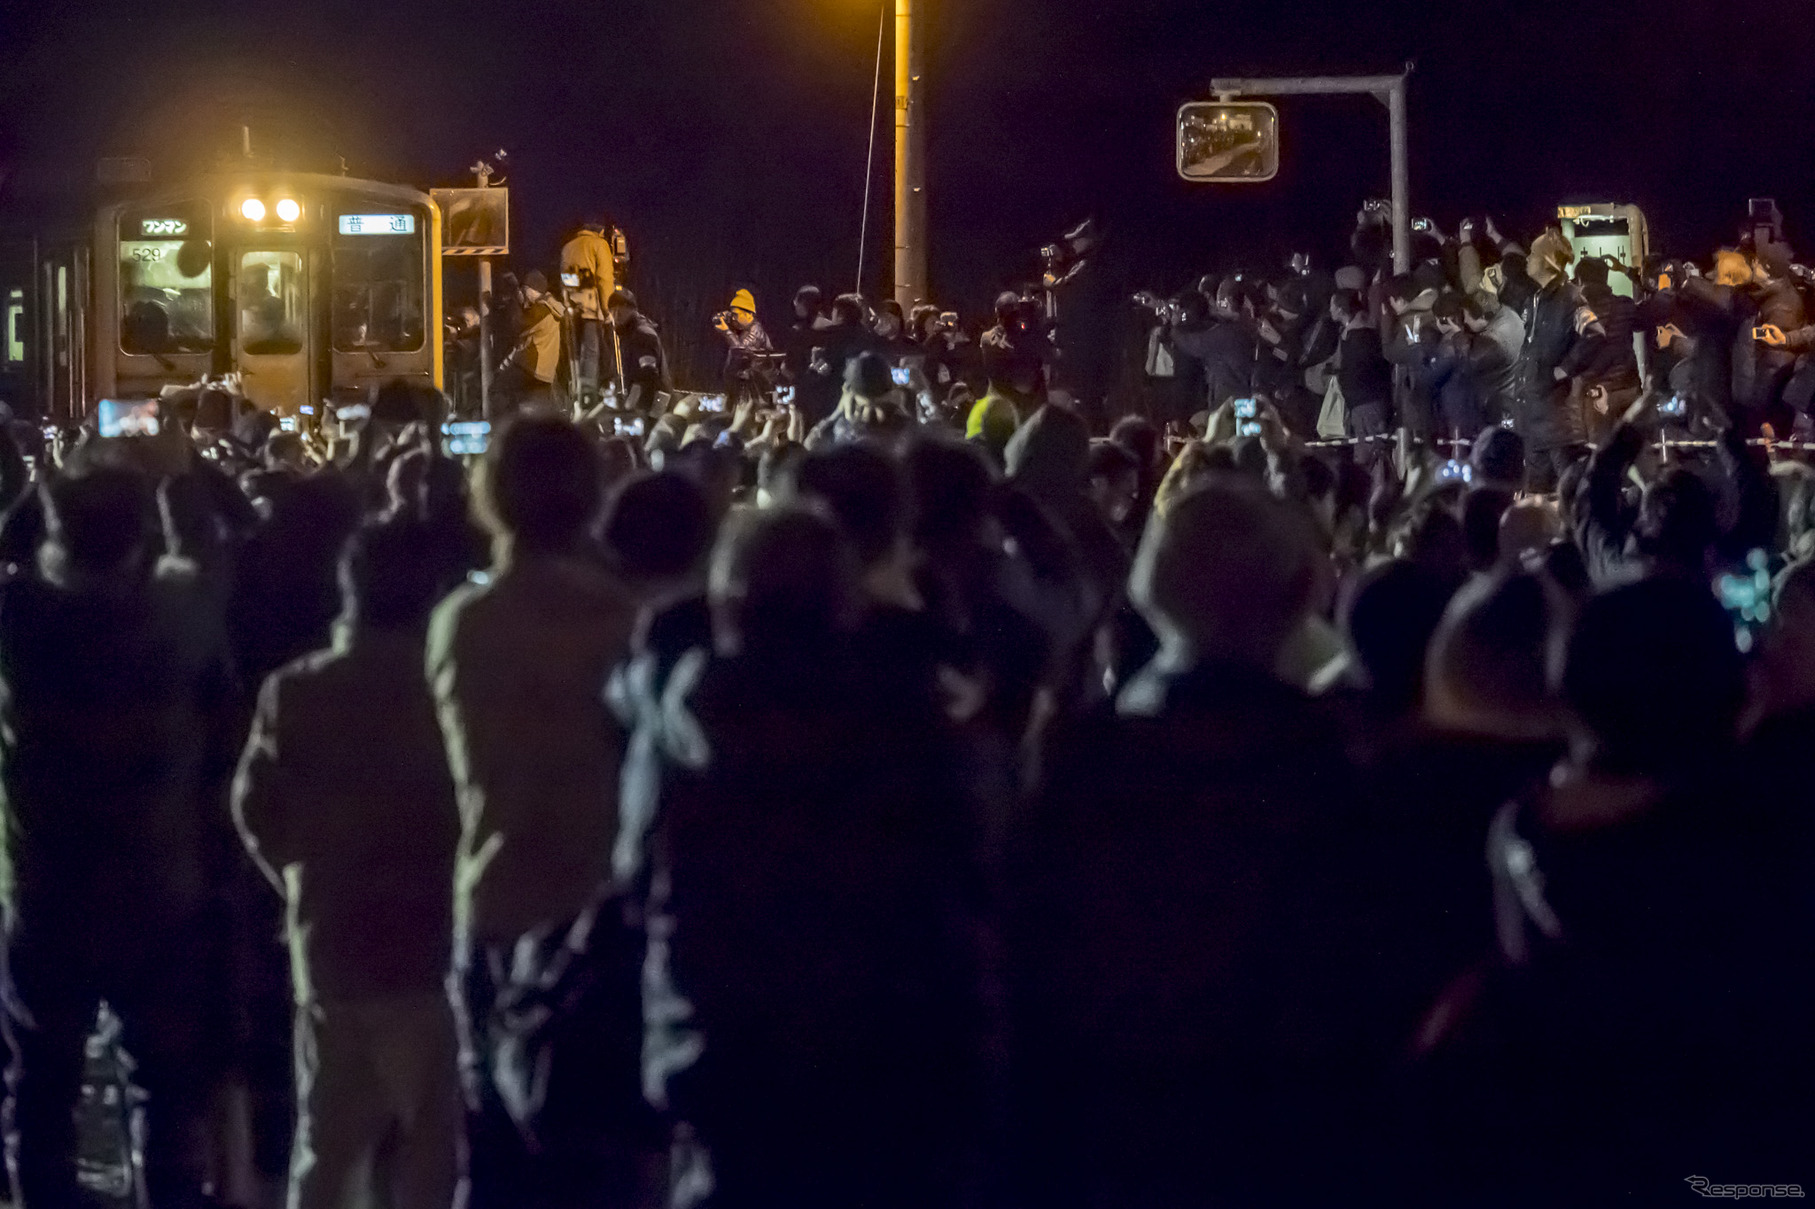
288,210
252,210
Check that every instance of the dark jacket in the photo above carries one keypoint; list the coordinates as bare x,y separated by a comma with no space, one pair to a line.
1603,356
645,364
1546,418
811,991
1649,1021
1227,348
1712,316
116,709
1759,370
1166,998
1362,369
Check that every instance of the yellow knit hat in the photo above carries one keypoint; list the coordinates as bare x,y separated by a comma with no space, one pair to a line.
744,301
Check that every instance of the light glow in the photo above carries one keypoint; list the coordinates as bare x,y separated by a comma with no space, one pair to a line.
252,210
288,209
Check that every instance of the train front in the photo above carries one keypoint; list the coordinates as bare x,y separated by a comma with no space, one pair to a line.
310,288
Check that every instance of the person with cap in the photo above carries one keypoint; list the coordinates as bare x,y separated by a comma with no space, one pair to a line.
745,341
645,365
527,377
590,259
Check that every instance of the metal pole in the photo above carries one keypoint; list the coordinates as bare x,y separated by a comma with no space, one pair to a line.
1391,91
485,336
910,159
1402,180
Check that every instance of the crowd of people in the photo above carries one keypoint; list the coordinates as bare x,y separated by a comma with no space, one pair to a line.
900,795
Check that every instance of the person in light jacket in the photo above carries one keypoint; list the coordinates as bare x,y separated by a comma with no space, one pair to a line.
345,801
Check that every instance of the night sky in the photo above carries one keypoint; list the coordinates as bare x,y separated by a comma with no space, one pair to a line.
728,136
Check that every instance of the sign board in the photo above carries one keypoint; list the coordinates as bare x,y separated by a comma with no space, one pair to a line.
474,222
377,224
1228,142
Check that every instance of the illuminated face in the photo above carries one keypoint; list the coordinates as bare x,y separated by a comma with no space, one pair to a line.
741,319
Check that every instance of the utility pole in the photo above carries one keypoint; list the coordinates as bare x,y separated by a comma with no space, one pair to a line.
910,156
1389,91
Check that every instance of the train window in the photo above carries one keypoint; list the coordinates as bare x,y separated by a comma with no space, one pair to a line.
379,295
15,326
166,281
271,308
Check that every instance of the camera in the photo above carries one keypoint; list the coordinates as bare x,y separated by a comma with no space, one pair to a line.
902,377
1673,407
1454,471
1244,409
713,403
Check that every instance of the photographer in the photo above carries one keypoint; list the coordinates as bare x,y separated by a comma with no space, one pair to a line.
640,345
745,344
527,377
590,259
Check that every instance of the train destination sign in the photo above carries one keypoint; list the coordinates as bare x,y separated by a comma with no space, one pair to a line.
377,224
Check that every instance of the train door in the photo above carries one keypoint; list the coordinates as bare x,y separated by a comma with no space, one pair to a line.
272,325
18,315
63,293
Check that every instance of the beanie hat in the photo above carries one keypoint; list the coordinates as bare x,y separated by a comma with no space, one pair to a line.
534,280
867,376
744,301
621,298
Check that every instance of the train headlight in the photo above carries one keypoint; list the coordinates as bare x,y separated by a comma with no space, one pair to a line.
289,210
252,210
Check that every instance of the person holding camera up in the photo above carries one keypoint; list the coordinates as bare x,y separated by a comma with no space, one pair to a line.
527,377
745,343
589,269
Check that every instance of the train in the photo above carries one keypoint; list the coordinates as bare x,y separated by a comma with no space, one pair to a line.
310,288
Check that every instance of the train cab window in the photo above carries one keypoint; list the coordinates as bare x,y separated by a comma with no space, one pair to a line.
271,308
15,326
379,284
166,281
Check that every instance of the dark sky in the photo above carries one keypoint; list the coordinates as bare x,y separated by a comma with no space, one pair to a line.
728,136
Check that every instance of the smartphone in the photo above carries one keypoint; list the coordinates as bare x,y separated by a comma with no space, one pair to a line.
784,396
902,377
571,280
1244,409
1454,471
714,403
467,438
1421,224
1247,429
307,409
1760,333
627,426
353,414
1672,408
286,423
129,417
51,431
1747,598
